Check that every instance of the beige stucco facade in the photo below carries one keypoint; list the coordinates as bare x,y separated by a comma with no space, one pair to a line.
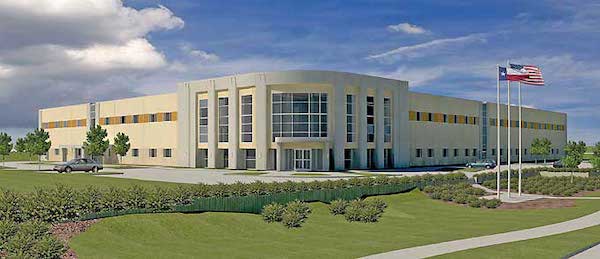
298,120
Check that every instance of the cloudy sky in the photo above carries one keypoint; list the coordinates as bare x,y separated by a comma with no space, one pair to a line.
59,52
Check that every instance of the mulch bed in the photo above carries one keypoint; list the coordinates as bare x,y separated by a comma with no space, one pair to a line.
65,231
538,204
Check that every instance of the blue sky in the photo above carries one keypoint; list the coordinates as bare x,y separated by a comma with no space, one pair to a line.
441,47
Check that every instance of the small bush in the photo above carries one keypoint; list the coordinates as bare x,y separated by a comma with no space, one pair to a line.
47,247
298,206
365,210
370,213
338,207
353,211
8,229
272,212
475,202
493,203
292,218
34,228
19,246
378,203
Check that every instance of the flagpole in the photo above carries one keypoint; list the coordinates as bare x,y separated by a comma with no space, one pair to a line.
498,131
509,129
520,138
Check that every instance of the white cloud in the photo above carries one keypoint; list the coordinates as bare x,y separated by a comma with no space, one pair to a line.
427,47
197,54
407,28
135,54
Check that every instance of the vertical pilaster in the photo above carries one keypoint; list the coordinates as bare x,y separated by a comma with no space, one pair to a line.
280,158
186,126
396,123
379,129
339,128
262,119
212,126
326,159
234,128
361,119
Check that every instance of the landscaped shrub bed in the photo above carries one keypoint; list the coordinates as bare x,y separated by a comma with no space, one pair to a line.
557,186
291,215
461,193
31,239
532,172
359,210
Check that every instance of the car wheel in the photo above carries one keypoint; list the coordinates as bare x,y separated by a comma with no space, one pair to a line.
488,167
68,170
470,166
95,169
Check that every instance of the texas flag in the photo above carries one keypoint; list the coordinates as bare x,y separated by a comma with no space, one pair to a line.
526,74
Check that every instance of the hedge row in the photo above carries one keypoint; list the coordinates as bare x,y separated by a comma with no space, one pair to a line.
461,193
63,203
532,172
559,186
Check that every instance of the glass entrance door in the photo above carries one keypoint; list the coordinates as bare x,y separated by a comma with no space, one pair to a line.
302,159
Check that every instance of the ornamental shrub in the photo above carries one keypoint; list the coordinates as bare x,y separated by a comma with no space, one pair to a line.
493,203
365,210
272,212
298,206
370,213
10,206
475,202
292,218
8,228
47,247
338,207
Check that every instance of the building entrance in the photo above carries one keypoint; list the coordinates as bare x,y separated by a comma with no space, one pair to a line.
302,159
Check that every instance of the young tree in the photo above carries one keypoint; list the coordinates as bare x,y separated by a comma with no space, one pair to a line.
596,150
37,143
574,154
21,145
546,148
5,145
96,143
121,145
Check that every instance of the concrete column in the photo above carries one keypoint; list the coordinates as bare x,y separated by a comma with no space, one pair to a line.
361,119
212,126
262,122
339,126
326,160
379,130
396,121
234,126
401,114
186,127
280,158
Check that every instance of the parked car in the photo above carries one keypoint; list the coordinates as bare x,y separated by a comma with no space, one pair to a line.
558,164
79,164
484,163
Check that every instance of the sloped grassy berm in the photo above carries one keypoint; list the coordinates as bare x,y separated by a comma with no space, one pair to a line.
63,203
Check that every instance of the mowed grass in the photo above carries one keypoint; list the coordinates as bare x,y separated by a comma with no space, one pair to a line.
556,246
26,181
411,219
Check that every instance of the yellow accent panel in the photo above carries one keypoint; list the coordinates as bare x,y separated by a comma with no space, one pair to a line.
412,115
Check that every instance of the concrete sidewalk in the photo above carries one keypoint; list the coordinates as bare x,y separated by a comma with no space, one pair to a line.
476,242
592,253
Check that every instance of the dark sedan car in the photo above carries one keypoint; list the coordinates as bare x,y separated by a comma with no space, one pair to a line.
79,164
557,164
485,163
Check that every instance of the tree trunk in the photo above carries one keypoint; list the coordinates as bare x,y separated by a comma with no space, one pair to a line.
39,162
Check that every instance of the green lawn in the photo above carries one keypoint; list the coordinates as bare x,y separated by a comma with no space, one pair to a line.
24,181
411,219
555,246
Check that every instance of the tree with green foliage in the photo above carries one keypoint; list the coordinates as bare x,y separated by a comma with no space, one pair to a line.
574,154
96,143
21,145
541,147
596,150
38,143
595,161
121,145
5,145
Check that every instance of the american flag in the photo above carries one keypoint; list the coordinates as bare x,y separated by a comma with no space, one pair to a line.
526,74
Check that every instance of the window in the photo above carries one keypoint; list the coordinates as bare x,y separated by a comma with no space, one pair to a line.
445,152
502,151
123,119
250,158
225,158
370,119
430,152
350,118
203,121
430,116
78,122
419,152
455,118
167,152
466,152
456,152
153,118
64,123
525,151
152,152
167,116
445,118
56,151
387,120
347,158
107,121
223,119
247,118
474,152
493,152
299,115
418,116
136,118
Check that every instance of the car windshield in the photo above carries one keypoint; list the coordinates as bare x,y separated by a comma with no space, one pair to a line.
73,161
